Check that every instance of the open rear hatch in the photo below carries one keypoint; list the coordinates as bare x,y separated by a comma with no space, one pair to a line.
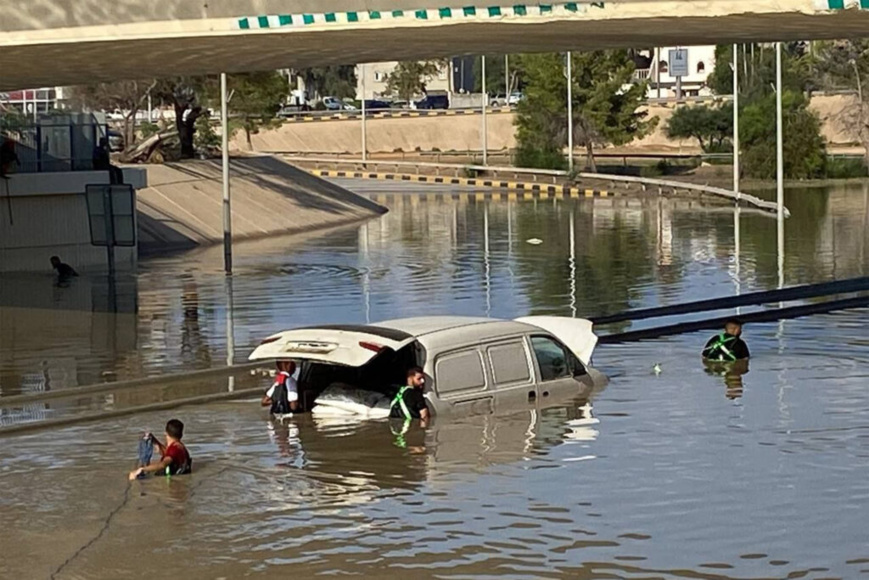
345,345
575,333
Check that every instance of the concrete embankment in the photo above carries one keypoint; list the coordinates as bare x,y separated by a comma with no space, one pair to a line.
182,205
462,133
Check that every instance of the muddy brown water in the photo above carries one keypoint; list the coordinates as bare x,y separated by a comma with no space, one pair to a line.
681,474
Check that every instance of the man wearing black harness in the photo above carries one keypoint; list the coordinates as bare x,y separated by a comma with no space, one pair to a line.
409,402
727,346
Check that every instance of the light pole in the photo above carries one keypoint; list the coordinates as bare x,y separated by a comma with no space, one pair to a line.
507,79
483,103
227,213
779,169
569,112
364,134
735,66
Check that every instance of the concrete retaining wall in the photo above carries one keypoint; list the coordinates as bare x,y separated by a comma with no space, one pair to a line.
45,214
183,203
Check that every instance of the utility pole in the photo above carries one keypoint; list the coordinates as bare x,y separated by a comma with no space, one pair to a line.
364,134
779,169
736,121
569,112
484,101
507,86
227,213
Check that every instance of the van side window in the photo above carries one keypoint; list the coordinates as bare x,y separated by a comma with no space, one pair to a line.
460,371
509,363
551,358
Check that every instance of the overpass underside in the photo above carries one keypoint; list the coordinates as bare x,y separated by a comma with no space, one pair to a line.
64,42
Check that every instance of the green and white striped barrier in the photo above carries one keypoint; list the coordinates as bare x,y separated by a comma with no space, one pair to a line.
462,13
841,4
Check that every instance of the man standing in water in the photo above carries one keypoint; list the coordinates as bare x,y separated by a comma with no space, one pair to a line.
409,402
727,346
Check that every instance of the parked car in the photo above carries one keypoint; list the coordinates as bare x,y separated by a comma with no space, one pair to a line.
336,104
502,100
434,101
472,365
372,104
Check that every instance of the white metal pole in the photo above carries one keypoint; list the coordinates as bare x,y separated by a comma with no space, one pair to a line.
507,79
569,112
736,121
364,133
227,214
658,70
779,170
484,102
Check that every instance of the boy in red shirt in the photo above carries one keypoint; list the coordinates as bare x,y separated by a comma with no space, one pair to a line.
174,458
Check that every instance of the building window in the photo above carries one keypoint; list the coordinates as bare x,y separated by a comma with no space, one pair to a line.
701,68
378,76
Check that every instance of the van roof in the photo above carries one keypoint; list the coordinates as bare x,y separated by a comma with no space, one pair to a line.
422,325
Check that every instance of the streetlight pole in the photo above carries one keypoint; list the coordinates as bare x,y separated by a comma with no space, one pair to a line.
364,134
227,212
484,101
779,169
569,112
507,79
736,121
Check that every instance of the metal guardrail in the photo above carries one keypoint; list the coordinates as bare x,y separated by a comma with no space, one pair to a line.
554,175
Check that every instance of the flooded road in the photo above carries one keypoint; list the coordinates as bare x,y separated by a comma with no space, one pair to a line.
681,474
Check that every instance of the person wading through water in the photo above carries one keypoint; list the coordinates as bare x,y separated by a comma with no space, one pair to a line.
408,404
727,346
283,396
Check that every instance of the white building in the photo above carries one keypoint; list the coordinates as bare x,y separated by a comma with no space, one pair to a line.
701,63
375,75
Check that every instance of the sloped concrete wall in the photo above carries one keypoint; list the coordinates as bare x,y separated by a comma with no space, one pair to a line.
182,207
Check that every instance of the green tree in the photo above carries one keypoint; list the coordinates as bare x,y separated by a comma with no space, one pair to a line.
495,79
126,97
254,99
184,94
334,81
606,105
803,148
410,78
712,127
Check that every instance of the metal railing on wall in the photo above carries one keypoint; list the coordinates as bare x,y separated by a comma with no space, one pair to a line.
54,143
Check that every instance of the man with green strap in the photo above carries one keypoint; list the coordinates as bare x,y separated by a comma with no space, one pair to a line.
727,346
409,402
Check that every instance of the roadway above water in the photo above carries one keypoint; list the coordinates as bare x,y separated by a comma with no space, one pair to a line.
682,474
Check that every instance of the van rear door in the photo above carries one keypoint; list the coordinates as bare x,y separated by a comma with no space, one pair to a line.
345,345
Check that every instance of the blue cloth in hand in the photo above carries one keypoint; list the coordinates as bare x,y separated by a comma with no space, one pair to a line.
146,451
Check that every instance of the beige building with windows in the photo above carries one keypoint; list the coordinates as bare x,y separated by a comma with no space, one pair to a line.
372,77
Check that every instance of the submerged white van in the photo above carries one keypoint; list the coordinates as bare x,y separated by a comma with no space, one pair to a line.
472,365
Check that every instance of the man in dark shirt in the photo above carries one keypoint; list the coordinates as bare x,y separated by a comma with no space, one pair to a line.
64,271
727,346
409,402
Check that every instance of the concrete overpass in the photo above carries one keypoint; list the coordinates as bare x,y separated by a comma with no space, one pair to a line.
57,42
